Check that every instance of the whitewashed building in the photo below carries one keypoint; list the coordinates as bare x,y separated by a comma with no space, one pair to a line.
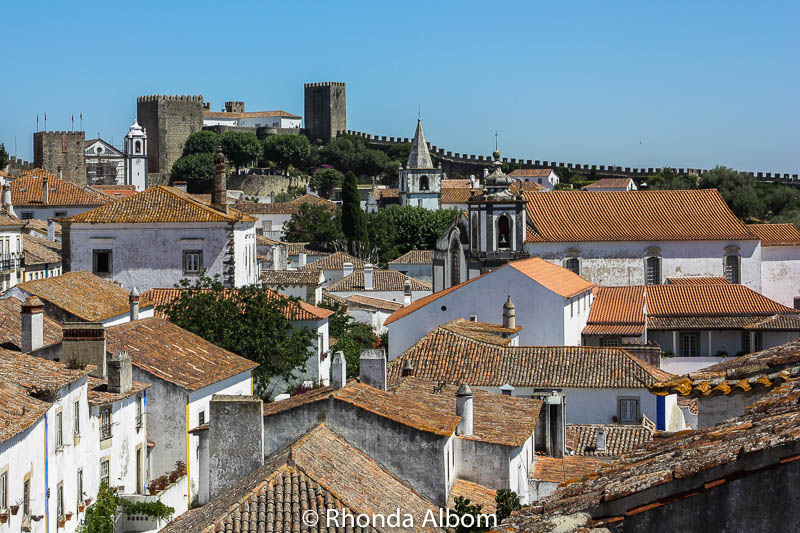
545,177
780,262
251,119
420,184
273,216
417,264
11,244
611,184
38,194
387,285
335,266
105,164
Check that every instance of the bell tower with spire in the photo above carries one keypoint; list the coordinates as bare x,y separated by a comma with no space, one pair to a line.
136,157
420,184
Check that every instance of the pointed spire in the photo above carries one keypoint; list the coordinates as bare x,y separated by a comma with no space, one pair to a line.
419,157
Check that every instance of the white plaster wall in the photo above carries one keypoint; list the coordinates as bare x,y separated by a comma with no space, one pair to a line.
12,247
20,454
389,296
372,318
780,273
318,364
43,213
683,365
519,468
622,263
420,272
278,224
244,243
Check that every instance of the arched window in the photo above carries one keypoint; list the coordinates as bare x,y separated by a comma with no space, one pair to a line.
455,261
475,234
652,275
572,263
504,232
423,183
138,147
733,271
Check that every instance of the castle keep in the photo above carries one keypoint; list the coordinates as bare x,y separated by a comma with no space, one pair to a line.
325,109
61,150
168,121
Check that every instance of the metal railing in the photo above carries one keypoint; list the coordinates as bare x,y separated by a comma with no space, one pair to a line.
105,431
8,263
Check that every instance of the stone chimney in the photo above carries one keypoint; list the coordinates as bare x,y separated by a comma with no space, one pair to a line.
51,230
45,189
372,368
368,276
84,343
120,373
133,299
302,258
347,269
464,410
7,205
408,369
407,293
219,192
236,440
180,185
509,314
551,428
338,371
32,324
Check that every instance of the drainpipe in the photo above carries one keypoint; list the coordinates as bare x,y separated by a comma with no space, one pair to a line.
46,482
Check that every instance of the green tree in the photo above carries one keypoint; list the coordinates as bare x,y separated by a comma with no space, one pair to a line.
315,223
199,142
396,230
325,180
197,170
507,502
351,337
668,179
399,152
465,507
288,149
737,188
248,321
352,154
4,159
240,147
354,223
100,515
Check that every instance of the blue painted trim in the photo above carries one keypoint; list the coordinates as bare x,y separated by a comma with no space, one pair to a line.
661,413
46,480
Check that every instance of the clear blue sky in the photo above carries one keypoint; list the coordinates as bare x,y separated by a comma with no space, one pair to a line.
684,84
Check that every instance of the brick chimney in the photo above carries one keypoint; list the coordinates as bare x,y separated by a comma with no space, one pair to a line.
368,277
338,371
236,440
407,293
32,324
133,299
219,192
84,343
45,189
464,409
372,368
347,269
120,373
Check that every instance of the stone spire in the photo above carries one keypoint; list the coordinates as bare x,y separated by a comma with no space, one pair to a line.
419,157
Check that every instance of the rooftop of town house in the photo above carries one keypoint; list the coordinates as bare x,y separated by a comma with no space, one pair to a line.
173,354
391,192
564,470
477,494
27,192
11,326
287,278
448,355
115,191
319,471
696,280
266,241
335,261
620,438
283,208
38,250
414,257
294,248
98,393
776,234
159,204
8,220
458,195
674,467
40,377
19,410
83,294
590,216
530,173
250,114
39,226
483,331
358,300
292,309
456,183
608,183
382,280
766,369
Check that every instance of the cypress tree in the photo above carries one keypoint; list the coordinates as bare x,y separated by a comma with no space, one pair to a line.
354,221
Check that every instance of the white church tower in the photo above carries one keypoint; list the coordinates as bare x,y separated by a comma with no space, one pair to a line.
136,157
420,184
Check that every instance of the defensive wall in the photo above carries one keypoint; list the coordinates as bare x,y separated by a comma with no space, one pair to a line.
61,150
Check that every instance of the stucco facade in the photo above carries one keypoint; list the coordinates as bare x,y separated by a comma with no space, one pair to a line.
780,274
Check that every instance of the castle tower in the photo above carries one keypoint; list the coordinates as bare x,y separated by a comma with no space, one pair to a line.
61,149
168,121
420,185
325,109
136,157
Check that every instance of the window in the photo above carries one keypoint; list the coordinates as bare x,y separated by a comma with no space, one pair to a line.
746,342
423,183
138,470
104,471
475,234
4,490
76,419
60,500
455,261
139,421
540,181
759,342
652,270
105,423
689,345
797,302
60,214
628,410
101,262
504,232
573,265
201,418
27,215
267,225
609,342
26,497
59,430
192,261
79,486
732,269
138,147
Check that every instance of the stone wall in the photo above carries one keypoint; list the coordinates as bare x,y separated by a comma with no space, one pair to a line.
168,122
262,186
325,109
65,149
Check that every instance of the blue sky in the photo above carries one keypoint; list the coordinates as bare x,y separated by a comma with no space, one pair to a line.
684,84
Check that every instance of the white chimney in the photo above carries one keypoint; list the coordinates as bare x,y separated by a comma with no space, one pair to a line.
372,368
32,324
301,259
7,200
464,410
347,269
472,181
368,277
60,173
473,318
338,371
180,185
133,299
601,440
276,258
51,230
45,189
507,389
407,293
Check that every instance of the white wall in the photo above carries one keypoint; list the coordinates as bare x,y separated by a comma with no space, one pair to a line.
780,273
318,364
371,317
12,245
43,213
420,272
389,296
19,455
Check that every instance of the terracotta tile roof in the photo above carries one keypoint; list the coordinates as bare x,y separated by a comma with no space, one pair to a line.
446,355
382,280
26,191
9,220
755,371
625,330
775,323
18,409
620,439
558,279
476,494
530,173
160,204
319,471
568,469
115,191
283,208
38,375
41,226
294,248
249,114
527,185
99,394
677,466
168,352
314,395
377,303
387,193
83,294
458,195
456,184
608,183
776,234
696,280
266,241
586,216
414,257
482,331
298,310
285,278
335,261
11,325
37,250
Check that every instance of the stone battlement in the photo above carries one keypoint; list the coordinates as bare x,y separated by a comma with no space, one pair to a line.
59,132
170,98
325,84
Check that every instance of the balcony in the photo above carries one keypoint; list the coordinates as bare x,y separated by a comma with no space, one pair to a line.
105,431
10,263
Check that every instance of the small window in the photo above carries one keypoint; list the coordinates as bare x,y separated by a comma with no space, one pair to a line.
504,232
60,214
732,269
139,420
60,500
76,420
201,418
105,423
79,486
26,498
27,215
104,471
4,490
653,270
192,261
745,342
540,181
423,183
573,265
138,147
609,342
628,410
59,429
102,262
689,345
797,302
759,341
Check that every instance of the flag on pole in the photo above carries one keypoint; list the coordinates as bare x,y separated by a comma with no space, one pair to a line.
37,121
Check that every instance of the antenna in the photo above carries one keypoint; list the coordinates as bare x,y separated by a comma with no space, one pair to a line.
495,140
419,112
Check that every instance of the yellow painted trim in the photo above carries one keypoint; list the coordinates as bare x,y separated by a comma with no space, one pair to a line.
252,386
188,457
